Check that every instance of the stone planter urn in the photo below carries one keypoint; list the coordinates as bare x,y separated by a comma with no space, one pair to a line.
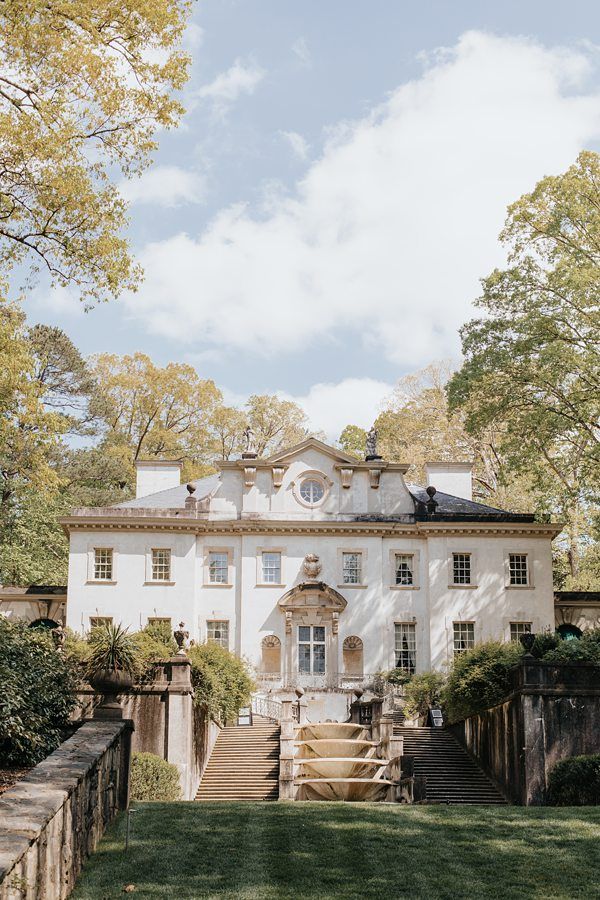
109,683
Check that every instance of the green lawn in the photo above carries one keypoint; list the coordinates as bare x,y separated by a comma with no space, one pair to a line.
336,850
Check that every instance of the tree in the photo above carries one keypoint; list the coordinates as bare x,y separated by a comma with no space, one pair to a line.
418,426
276,423
83,88
146,410
532,363
227,425
62,374
353,440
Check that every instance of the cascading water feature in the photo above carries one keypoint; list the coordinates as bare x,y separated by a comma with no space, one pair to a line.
338,761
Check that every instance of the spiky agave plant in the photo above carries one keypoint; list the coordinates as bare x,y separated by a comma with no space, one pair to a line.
112,649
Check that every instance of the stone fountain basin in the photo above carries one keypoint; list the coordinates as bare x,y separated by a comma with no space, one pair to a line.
339,748
330,730
341,767
350,789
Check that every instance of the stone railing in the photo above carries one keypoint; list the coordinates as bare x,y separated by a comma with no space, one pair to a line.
328,681
52,819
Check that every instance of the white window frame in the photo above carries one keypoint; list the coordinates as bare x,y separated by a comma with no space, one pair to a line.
311,475
518,587
218,584
416,557
457,586
468,623
150,548
218,641
352,567
312,644
91,568
168,566
98,620
526,626
359,551
411,630
259,567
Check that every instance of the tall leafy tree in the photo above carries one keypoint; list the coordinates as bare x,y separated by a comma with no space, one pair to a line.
532,360
353,439
146,411
276,423
83,88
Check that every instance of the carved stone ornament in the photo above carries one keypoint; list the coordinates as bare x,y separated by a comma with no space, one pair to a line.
271,641
371,443
249,475
312,567
346,477
335,622
249,442
181,637
352,643
278,472
374,476
288,621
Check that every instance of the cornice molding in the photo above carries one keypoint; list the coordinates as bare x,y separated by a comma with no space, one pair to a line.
315,527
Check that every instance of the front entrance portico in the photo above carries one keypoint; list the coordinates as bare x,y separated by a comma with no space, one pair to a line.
311,645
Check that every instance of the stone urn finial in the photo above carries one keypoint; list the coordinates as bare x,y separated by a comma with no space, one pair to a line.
312,567
181,638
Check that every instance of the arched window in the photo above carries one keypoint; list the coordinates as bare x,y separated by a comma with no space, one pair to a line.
352,652
270,663
44,623
569,632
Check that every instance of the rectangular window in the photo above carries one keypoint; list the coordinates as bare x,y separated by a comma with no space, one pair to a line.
100,621
159,620
311,649
404,568
519,628
271,568
103,564
464,637
406,646
461,568
517,569
352,568
218,633
218,568
161,565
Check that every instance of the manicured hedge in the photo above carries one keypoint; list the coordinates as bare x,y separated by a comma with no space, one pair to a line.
575,782
153,778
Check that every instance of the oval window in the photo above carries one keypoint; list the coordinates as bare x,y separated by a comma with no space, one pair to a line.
312,491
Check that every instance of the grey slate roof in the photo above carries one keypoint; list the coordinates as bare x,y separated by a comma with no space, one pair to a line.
172,498
448,505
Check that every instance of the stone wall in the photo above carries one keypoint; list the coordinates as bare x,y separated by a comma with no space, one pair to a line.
166,721
52,819
552,713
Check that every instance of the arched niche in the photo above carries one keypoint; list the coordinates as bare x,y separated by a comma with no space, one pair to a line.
270,661
352,653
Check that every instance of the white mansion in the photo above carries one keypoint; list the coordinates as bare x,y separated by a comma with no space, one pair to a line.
319,568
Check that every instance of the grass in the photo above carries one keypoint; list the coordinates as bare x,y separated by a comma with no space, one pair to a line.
348,851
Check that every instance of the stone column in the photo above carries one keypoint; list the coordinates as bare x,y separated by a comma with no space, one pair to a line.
179,722
287,790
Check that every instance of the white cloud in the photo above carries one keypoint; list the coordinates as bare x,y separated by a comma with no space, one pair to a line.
301,49
241,78
331,406
165,186
391,229
353,401
299,145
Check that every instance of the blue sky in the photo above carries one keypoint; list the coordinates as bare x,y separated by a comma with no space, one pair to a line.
318,224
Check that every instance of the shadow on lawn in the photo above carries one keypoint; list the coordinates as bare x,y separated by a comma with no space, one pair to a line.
325,850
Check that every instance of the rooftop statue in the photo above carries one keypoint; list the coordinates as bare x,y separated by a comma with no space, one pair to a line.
250,442
371,444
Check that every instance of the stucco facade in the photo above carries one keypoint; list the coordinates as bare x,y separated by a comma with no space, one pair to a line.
383,583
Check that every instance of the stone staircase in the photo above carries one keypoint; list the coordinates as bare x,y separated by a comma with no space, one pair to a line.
452,775
244,764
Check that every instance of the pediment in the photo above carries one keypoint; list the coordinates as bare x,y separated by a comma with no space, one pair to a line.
313,595
311,443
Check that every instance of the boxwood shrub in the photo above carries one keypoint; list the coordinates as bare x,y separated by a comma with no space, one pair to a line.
153,778
575,782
